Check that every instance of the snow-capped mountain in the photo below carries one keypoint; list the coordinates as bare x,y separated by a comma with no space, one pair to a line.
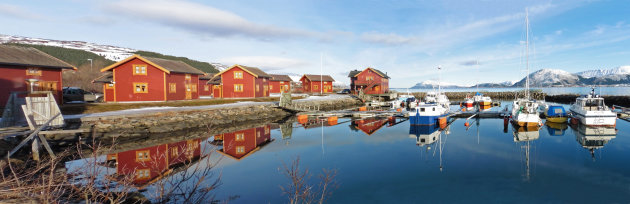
109,52
550,77
219,66
623,70
429,84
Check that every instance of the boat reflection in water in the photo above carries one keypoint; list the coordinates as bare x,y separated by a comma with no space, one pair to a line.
428,137
592,137
151,164
240,144
556,129
524,135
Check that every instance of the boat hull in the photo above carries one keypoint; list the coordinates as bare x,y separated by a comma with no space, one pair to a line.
425,120
557,119
526,120
597,120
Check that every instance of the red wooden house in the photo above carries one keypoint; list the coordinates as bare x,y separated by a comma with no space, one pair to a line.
17,64
241,81
314,83
279,83
240,144
205,89
370,80
215,86
140,78
151,163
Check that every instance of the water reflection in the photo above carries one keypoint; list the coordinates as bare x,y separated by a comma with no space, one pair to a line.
150,164
240,144
523,137
370,125
556,129
428,136
593,138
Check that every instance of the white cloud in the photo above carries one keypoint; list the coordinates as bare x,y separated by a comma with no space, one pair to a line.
201,19
265,62
389,39
18,12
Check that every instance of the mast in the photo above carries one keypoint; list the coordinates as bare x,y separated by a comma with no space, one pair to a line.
478,76
527,52
439,79
321,77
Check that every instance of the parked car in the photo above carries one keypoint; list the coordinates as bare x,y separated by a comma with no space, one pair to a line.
345,91
78,94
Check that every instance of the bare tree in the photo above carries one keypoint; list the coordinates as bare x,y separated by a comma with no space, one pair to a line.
298,190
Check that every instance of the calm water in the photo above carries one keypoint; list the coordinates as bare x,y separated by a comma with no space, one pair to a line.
387,161
616,91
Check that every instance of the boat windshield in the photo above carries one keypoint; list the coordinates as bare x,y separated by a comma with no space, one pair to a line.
594,102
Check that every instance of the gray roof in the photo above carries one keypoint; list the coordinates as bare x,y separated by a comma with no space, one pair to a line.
353,73
313,77
174,66
207,76
27,56
280,77
214,80
256,71
105,78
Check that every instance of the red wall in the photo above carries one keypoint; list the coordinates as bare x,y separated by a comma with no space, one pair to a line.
216,91
202,85
124,78
180,84
13,79
309,86
262,83
228,81
274,86
382,84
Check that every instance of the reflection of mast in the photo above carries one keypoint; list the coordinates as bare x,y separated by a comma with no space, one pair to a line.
440,151
527,161
322,121
526,134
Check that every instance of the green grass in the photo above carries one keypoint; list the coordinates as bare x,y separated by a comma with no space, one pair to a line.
203,66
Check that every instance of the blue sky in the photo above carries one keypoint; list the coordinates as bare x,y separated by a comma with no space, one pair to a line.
406,39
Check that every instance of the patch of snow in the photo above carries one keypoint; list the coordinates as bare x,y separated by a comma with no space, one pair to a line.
622,70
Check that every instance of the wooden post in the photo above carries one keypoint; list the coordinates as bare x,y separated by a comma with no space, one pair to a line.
32,135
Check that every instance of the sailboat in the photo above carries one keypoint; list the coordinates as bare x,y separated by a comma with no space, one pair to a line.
525,110
484,102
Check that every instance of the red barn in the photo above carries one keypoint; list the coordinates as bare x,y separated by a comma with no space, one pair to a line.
240,144
140,78
279,83
205,89
313,83
370,80
241,81
147,164
17,64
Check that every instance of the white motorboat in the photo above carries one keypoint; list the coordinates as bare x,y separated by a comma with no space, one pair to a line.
591,110
435,106
525,110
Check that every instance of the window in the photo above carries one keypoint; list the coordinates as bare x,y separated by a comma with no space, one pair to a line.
267,130
271,86
240,149
33,72
238,87
143,174
238,74
369,78
139,69
206,88
257,88
240,136
174,152
282,82
172,88
194,88
44,86
187,77
315,87
140,88
421,109
143,156
109,86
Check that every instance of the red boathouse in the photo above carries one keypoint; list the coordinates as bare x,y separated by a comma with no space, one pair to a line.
241,81
279,83
370,80
19,64
140,78
313,83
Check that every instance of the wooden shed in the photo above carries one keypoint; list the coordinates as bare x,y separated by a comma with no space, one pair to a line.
314,83
241,81
279,83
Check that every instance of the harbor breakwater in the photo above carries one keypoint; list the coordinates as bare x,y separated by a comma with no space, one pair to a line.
194,122
609,100
460,96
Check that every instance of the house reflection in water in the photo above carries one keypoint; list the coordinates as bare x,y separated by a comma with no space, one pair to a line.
240,144
593,138
370,125
153,163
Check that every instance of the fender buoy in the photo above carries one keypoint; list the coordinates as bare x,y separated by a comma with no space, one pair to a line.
466,124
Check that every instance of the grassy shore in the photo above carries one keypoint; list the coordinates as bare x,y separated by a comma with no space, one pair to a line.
83,108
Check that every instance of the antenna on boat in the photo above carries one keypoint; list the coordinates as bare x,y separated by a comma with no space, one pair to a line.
527,52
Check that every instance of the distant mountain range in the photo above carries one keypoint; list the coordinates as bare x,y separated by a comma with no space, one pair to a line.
619,76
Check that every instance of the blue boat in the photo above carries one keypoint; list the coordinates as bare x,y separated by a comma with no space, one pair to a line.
427,114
